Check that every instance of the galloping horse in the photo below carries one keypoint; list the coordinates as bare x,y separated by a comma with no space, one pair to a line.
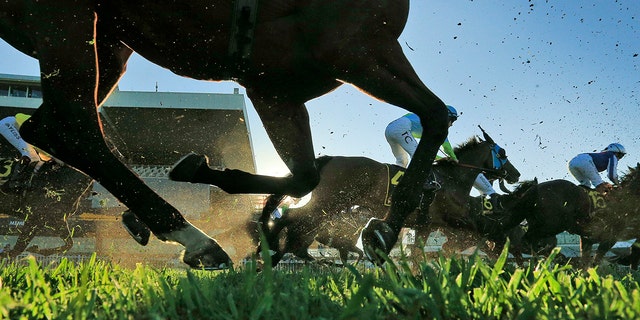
284,52
52,195
560,205
354,189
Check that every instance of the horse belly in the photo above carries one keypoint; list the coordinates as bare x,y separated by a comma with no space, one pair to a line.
189,38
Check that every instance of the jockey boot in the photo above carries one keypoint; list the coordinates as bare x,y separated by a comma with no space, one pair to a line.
604,187
185,169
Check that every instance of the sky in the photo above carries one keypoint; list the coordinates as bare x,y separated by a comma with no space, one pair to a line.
546,79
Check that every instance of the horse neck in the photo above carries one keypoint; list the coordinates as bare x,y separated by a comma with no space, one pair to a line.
478,155
459,179
520,206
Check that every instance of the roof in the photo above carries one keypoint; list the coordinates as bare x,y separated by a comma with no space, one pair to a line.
142,99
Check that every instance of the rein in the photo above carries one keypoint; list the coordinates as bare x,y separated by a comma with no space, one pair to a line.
497,172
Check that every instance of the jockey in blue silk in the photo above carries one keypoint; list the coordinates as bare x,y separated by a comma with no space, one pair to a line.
586,167
402,133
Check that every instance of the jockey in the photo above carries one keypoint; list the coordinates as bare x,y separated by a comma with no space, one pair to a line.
402,133
585,167
30,155
9,127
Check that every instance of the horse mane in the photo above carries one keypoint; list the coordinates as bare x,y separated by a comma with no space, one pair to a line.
444,163
630,176
322,161
470,143
525,185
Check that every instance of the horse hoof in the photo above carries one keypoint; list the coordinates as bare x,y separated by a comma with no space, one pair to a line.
186,168
376,235
136,228
209,257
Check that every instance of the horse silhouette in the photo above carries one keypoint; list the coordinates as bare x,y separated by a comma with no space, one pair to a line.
559,205
45,200
355,189
284,52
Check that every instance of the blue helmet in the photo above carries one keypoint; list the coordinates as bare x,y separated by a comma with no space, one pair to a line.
453,113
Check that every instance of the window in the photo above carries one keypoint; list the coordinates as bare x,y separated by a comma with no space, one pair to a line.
12,90
34,93
18,91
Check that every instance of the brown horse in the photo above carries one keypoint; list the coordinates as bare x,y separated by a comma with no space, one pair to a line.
46,200
355,189
284,52
560,205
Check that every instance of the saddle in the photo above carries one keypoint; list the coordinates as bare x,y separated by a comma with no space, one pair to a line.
433,184
596,202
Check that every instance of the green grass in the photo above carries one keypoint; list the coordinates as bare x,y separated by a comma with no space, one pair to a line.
446,288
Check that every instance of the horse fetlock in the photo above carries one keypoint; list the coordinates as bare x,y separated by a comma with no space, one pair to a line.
201,251
377,236
136,228
186,168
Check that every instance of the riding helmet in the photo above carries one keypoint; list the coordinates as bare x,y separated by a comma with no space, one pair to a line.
617,148
21,118
453,113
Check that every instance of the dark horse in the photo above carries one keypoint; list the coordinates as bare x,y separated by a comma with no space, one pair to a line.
355,189
284,52
44,202
560,205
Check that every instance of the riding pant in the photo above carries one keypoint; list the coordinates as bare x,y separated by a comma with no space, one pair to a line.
584,170
9,131
483,185
403,144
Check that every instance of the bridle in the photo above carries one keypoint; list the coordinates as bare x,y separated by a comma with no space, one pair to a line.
499,159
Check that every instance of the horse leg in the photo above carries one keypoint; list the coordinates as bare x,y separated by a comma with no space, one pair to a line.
344,256
272,234
27,232
67,126
287,124
603,248
21,244
301,250
586,246
634,257
68,244
393,80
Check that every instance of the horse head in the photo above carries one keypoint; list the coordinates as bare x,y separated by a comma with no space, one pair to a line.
504,167
631,179
488,155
